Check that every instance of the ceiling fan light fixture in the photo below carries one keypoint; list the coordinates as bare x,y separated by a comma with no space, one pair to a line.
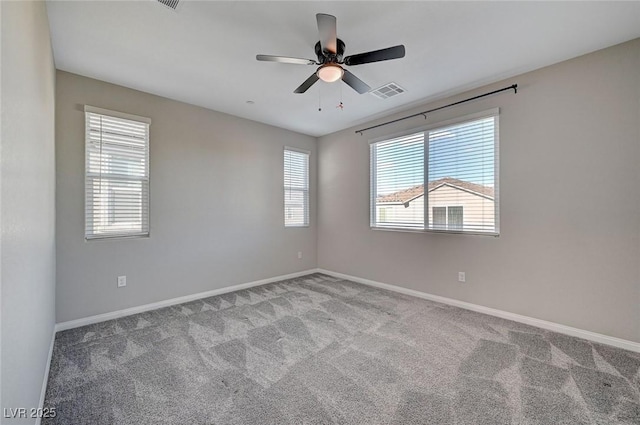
330,72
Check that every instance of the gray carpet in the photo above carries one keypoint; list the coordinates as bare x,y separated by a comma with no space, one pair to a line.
319,350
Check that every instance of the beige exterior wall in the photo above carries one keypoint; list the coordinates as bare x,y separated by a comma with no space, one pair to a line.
478,211
397,214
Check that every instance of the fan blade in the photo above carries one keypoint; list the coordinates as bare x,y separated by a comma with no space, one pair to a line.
327,32
355,83
395,52
285,59
307,83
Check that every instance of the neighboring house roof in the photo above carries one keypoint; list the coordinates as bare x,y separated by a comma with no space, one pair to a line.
407,195
403,196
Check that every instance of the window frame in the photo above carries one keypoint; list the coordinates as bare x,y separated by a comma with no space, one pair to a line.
306,192
493,112
124,116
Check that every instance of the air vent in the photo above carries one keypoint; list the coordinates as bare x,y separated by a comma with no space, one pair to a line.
387,91
171,4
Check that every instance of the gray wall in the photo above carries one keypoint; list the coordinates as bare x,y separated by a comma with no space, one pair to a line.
569,247
27,205
216,204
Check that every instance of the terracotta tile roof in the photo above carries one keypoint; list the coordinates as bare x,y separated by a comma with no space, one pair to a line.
407,195
403,196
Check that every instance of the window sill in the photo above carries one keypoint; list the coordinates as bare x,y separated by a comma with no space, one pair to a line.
453,232
116,237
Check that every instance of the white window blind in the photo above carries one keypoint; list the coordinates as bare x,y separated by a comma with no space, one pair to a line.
296,188
116,174
397,177
455,163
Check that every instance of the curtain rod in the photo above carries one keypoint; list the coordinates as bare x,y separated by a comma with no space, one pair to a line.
513,87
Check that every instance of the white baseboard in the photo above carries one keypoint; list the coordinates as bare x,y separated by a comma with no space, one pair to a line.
179,300
45,381
555,327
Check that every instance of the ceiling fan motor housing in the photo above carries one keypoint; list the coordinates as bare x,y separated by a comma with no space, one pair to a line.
329,57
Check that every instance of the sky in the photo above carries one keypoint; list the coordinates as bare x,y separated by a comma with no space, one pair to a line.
464,151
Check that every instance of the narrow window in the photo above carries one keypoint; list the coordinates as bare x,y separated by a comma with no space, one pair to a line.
296,188
116,174
455,218
440,217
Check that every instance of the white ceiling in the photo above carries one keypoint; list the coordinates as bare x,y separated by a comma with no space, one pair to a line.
204,53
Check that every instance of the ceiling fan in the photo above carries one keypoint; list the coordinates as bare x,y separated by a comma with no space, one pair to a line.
330,51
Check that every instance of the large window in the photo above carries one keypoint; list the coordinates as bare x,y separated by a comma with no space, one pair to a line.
444,178
116,174
296,188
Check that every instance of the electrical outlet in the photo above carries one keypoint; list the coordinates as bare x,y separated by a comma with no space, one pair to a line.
462,277
122,281
299,255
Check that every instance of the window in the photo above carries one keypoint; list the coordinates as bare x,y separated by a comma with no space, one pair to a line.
448,218
457,164
455,218
440,217
116,174
296,188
